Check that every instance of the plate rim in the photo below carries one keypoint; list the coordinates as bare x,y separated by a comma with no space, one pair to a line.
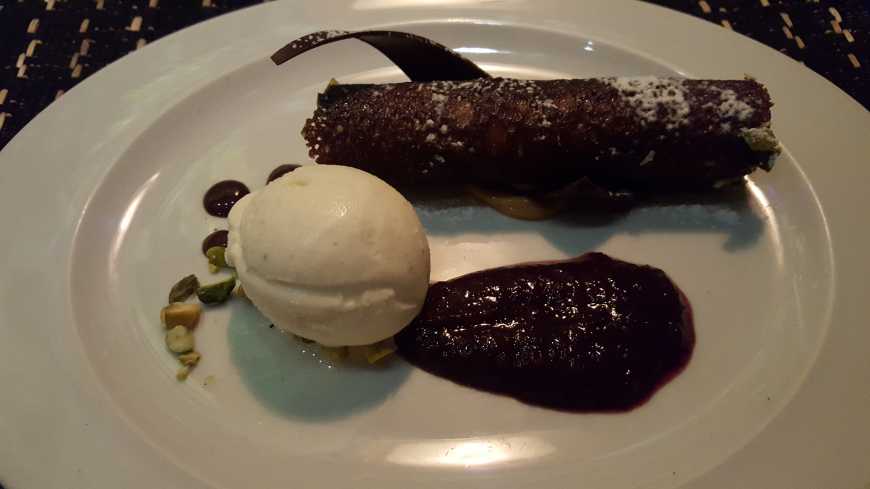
153,70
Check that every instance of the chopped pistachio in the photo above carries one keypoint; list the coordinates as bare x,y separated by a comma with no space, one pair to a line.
189,359
378,351
179,340
183,289
179,313
217,256
760,139
182,373
216,293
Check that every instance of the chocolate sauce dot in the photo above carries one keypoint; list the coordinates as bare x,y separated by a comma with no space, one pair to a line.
217,238
222,196
280,171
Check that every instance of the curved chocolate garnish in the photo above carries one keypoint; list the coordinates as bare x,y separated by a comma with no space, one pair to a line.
419,58
590,333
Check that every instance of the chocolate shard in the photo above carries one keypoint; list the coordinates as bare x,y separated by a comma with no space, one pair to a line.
591,333
419,58
639,133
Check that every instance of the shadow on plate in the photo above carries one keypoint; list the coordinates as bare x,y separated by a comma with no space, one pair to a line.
290,379
730,213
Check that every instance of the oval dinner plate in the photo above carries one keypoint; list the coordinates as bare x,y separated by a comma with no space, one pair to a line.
100,201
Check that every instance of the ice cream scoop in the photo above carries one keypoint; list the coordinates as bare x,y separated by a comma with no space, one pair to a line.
332,254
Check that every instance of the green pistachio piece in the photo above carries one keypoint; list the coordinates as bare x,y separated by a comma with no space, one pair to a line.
179,340
378,351
217,293
760,139
183,289
216,256
183,373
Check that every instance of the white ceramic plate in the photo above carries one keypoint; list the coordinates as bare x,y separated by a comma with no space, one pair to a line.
100,205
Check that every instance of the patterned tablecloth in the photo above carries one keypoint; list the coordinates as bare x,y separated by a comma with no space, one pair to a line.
47,46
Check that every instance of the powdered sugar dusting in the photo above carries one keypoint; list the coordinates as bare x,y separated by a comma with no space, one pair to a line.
446,92
318,37
732,106
439,99
653,97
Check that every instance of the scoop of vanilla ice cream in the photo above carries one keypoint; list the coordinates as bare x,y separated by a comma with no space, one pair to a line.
332,254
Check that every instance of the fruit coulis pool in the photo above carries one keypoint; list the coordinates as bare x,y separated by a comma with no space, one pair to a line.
588,334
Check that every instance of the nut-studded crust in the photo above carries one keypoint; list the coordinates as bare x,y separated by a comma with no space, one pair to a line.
643,133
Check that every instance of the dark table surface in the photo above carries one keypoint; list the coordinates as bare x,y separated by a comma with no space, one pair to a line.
48,46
